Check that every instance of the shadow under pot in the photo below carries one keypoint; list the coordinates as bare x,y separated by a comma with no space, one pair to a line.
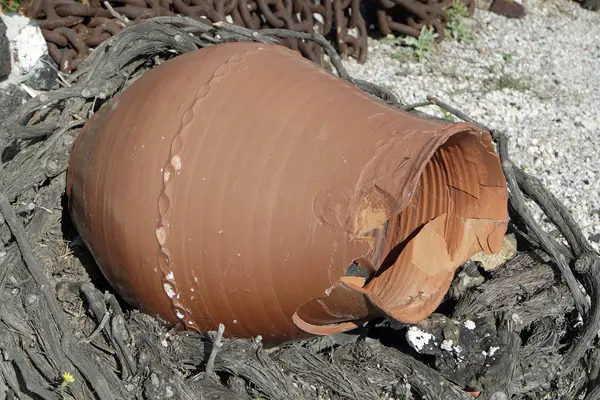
236,184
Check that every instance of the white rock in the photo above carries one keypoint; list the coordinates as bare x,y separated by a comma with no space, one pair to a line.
26,42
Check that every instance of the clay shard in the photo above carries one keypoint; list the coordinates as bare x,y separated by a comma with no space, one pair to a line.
248,186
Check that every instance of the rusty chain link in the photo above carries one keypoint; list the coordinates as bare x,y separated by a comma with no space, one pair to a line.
72,28
407,17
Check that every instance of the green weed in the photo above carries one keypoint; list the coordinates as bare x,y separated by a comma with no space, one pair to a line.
63,389
508,81
457,28
9,6
420,48
448,116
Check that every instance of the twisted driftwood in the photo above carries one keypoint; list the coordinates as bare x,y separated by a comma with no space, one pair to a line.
55,318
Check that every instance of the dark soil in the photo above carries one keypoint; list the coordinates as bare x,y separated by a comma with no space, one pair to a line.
526,330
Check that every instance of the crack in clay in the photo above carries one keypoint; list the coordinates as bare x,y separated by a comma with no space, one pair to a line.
170,172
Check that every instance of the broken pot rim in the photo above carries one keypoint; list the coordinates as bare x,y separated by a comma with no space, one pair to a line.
445,134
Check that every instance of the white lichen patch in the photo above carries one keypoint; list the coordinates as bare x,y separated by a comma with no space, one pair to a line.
447,345
170,275
491,351
470,325
417,338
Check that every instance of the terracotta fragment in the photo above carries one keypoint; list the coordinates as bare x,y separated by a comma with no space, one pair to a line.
243,184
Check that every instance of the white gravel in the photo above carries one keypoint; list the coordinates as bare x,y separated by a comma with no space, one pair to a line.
546,97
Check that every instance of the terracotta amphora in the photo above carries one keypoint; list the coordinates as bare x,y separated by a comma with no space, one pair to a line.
243,184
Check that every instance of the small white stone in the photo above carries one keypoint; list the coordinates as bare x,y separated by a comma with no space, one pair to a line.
417,338
447,345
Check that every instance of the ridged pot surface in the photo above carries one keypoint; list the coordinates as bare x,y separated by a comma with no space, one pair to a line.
237,184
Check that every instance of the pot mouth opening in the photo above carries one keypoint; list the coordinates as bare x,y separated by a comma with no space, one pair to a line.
457,209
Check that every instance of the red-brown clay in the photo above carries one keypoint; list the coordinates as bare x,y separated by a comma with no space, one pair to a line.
236,184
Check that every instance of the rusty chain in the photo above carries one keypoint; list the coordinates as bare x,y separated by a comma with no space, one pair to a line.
72,28
407,17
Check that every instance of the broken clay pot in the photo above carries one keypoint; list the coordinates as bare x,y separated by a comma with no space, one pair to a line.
242,184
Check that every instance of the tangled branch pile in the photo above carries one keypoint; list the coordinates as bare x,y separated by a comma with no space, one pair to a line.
54,318
72,28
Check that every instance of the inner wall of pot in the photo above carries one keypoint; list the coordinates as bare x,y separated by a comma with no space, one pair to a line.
458,208
431,198
434,234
